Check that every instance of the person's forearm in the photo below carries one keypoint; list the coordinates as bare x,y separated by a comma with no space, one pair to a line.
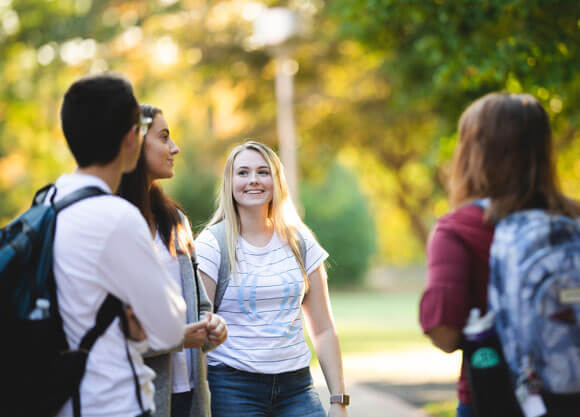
328,351
150,353
445,338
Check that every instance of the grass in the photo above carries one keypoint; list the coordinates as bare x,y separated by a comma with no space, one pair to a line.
372,322
441,409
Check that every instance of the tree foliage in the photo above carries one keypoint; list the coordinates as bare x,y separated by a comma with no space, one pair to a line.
337,212
456,51
378,86
438,56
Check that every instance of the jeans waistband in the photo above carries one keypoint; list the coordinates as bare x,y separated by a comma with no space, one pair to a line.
297,372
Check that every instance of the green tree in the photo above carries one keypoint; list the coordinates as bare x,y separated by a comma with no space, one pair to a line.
338,214
456,51
437,56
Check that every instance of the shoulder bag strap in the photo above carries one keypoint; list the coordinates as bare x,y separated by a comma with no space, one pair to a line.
482,203
219,232
125,327
77,195
111,308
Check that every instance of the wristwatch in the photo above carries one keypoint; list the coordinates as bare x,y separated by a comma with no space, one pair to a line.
343,399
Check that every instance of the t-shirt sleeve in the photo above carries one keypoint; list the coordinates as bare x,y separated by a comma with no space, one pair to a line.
315,254
131,266
445,300
208,254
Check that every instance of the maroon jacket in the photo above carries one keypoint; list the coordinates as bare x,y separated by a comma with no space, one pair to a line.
457,274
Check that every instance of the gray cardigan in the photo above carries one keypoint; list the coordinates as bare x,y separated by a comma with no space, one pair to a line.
161,362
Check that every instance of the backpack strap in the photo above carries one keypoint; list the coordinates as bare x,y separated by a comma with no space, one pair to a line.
41,194
218,230
77,195
125,327
110,309
482,203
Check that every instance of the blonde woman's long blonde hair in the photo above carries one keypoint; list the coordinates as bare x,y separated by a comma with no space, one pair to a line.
281,212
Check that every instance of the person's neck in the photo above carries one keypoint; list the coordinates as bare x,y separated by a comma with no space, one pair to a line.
256,228
110,173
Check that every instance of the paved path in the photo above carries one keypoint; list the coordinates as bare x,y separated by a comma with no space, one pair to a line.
412,366
370,403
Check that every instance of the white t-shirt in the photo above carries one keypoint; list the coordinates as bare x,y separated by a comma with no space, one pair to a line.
102,245
180,360
263,308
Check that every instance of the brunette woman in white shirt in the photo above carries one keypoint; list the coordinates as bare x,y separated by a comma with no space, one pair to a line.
180,384
262,369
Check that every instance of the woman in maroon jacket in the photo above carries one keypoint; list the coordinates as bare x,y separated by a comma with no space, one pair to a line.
504,153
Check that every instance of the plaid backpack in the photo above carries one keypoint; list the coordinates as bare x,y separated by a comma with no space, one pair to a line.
534,289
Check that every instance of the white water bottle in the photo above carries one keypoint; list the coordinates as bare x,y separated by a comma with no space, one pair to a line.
41,310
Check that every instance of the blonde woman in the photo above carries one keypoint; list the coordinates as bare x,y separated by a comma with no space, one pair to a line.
275,272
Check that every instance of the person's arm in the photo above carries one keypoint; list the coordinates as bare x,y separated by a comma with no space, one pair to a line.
209,285
217,328
131,268
445,302
208,256
205,303
445,338
320,323
137,334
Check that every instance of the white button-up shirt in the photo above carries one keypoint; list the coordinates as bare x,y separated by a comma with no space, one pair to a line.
102,245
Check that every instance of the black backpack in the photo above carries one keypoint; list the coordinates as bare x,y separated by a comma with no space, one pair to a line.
42,373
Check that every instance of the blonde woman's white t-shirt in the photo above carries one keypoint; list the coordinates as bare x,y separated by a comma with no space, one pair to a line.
262,306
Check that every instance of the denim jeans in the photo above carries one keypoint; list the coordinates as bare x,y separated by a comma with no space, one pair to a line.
464,410
237,393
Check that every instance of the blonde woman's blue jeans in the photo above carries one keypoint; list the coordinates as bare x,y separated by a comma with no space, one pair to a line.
236,393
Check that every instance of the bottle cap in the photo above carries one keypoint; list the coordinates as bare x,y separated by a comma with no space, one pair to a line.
42,303
477,324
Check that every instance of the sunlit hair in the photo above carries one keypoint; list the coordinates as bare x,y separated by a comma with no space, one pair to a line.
156,207
281,211
505,153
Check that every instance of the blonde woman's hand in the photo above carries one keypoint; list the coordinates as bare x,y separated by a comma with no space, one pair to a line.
216,329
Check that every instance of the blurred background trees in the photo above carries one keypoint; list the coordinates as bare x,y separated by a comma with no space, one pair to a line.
379,88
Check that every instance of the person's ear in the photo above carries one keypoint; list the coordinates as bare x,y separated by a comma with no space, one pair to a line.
131,138
130,147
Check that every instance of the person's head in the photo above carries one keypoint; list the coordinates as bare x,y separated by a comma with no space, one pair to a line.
155,162
505,153
100,117
253,176
157,156
254,179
